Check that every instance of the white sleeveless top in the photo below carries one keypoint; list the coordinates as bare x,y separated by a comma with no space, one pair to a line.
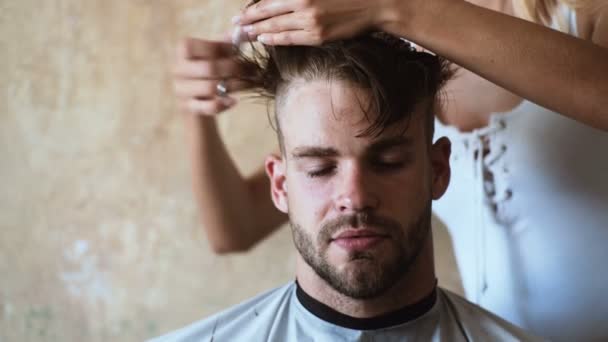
529,219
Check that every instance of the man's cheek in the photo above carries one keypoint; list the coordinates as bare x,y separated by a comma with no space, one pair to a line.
305,193
315,198
315,189
406,192
407,182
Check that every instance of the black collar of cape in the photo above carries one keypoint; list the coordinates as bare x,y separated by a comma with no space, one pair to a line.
403,315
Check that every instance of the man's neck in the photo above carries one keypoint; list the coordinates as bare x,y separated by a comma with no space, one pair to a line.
413,287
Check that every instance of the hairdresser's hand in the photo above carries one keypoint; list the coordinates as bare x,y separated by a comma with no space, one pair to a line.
308,22
199,67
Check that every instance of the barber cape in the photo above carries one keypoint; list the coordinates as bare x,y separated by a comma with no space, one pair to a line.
287,313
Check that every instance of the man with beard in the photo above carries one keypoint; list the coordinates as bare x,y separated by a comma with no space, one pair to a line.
356,174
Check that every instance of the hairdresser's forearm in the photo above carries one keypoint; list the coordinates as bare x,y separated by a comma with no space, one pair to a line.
557,71
221,192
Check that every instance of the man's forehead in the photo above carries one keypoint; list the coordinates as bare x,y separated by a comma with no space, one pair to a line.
331,101
322,100
333,113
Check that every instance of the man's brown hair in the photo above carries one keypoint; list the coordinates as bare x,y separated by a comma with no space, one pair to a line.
398,77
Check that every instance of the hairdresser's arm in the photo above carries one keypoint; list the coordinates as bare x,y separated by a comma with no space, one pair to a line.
236,212
557,71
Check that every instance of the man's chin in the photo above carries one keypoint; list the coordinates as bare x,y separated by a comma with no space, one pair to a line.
356,266
374,255
361,280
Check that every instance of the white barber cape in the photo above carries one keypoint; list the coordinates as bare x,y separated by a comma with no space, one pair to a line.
287,313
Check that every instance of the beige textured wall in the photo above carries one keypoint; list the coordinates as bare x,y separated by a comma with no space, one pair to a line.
99,239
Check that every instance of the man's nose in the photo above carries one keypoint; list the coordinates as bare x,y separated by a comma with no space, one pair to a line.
356,191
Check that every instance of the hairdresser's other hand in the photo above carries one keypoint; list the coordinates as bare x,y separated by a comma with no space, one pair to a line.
200,65
307,22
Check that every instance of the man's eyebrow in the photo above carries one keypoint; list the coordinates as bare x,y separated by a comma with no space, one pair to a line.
313,152
384,144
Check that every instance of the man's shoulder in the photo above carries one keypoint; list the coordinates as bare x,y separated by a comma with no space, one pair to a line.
480,324
244,320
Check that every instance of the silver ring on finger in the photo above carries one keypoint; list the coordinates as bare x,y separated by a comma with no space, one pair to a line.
221,88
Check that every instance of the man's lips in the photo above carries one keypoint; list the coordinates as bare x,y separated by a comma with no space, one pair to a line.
358,239
358,233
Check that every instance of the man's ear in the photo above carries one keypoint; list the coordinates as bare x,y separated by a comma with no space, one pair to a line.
275,169
440,163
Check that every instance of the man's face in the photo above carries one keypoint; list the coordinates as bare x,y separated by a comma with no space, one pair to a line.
359,207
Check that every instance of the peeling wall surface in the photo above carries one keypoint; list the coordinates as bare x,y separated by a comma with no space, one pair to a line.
99,233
